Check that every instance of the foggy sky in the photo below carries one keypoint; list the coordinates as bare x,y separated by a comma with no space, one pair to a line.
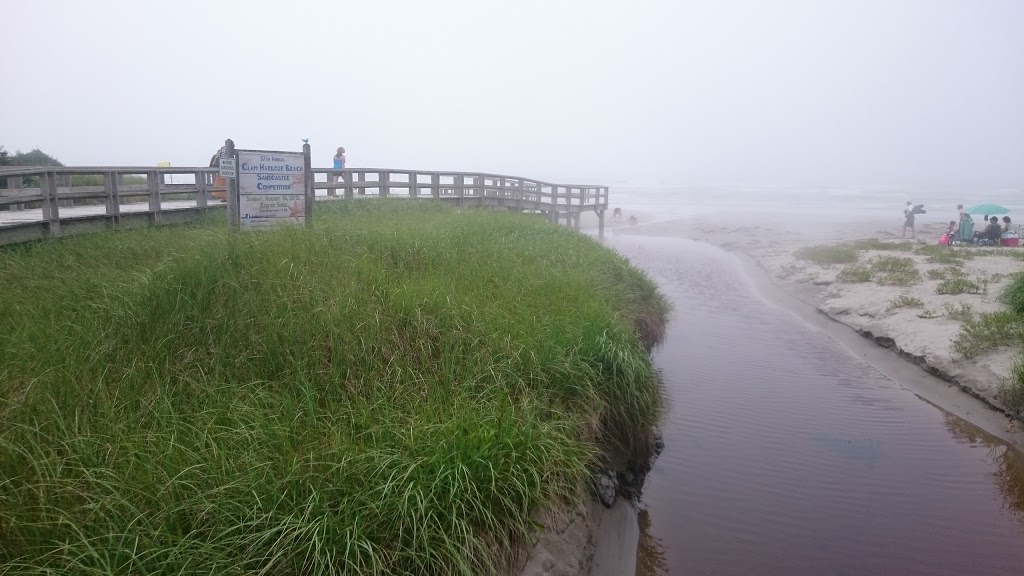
815,92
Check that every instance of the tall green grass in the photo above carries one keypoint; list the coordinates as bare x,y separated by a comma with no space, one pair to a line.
392,391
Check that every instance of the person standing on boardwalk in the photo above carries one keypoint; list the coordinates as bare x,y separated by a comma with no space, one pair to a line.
339,163
218,180
908,220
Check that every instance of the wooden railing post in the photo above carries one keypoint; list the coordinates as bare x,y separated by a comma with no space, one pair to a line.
435,185
460,186
51,209
362,180
346,177
385,184
414,185
153,179
112,190
202,196
16,182
554,202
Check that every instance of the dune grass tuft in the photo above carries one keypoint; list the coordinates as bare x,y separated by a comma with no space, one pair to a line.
905,301
392,391
876,244
957,286
961,311
945,273
988,332
1013,294
826,256
854,273
895,271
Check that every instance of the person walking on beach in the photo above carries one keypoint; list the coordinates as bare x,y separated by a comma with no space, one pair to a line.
339,163
908,220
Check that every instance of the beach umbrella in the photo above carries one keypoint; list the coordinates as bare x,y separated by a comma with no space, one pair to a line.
987,209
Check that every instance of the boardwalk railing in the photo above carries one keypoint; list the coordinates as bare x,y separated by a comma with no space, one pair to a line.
40,202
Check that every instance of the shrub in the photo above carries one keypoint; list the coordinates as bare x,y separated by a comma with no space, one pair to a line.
826,256
895,271
958,286
892,264
1013,294
904,301
876,244
945,273
962,311
902,278
1011,390
854,273
988,332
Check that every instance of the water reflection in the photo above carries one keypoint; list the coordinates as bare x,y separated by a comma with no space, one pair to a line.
1008,463
650,554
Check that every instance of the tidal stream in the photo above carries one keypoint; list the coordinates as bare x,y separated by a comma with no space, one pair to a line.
788,454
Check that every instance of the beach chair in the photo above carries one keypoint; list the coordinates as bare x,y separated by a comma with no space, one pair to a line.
964,234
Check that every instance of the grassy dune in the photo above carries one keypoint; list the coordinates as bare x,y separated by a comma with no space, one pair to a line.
390,392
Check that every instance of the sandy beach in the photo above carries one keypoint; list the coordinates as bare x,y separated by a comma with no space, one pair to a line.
904,314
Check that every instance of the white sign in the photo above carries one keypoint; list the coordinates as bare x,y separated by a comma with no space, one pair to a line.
227,167
271,189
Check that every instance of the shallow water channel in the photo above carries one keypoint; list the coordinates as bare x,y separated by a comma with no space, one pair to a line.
789,454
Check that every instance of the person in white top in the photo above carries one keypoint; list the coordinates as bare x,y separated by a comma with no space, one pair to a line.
908,220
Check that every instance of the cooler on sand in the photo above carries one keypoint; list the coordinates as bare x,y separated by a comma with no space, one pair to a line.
1009,240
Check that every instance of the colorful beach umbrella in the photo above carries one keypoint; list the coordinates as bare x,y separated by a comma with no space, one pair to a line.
988,209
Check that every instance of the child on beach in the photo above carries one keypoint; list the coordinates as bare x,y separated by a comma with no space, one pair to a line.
946,238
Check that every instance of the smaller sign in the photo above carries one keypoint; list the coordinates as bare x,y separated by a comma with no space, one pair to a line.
227,167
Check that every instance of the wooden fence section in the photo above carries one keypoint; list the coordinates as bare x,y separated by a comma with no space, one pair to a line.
40,202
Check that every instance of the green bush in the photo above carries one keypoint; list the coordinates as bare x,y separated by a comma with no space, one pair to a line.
895,271
1013,294
958,286
962,311
904,301
945,273
854,273
391,391
988,332
876,244
826,256
1011,390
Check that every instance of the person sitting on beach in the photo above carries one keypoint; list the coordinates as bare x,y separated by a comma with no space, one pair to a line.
1006,223
992,232
950,233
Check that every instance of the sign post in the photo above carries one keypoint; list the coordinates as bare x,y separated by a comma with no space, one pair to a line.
273,188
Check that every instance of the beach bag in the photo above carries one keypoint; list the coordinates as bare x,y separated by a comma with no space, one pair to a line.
944,240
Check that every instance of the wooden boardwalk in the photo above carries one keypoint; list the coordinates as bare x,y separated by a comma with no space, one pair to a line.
42,202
